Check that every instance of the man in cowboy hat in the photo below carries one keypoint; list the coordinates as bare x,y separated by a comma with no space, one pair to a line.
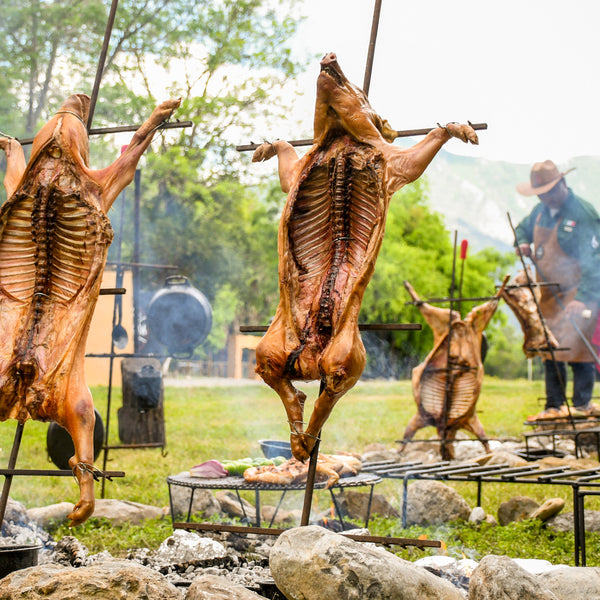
565,233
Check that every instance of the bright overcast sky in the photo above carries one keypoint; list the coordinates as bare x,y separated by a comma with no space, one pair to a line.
527,68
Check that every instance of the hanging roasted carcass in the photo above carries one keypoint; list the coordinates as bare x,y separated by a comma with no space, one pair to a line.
446,385
330,233
54,236
523,297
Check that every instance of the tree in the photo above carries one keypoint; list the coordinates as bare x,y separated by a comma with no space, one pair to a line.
227,59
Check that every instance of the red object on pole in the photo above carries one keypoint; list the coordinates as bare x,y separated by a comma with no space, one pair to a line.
463,249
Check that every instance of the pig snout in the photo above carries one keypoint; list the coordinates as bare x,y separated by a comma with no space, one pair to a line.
329,60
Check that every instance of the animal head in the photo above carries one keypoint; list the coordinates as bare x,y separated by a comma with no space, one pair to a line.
342,107
67,129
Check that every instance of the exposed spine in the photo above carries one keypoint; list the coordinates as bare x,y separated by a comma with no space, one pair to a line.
341,189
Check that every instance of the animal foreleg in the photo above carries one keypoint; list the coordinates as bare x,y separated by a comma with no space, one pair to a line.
408,164
287,160
437,318
417,422
79,422
119,175
15,164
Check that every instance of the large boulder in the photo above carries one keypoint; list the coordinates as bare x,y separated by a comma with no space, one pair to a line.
111,580
433,502
356,504
566,521
204,503
516,508
312,563
500,578
236,507
574,583
118,512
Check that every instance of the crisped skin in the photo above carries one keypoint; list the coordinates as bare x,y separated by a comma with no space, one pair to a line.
524,301
54,236
330,234
447,384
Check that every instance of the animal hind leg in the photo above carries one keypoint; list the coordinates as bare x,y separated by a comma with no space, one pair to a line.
473,424
341,366
79,422
270,365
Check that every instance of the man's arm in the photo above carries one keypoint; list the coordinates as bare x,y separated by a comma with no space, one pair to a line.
524,234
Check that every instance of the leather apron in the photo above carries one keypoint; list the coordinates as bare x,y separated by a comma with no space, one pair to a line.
555,266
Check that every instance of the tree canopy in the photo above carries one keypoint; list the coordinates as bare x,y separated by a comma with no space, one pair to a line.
228,60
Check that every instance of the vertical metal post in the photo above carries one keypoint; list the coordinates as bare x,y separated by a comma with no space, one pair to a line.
12,461
576,527
449,373
371,52
310,478
101,62
136,258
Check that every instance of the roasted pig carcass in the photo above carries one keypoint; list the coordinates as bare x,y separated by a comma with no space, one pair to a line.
54,236
330,233
523,297
330,467
446,385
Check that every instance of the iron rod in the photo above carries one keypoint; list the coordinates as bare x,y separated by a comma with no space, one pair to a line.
119,129
56,473
272,531
403,133
361,327
12,461
102,61
450,299
371,51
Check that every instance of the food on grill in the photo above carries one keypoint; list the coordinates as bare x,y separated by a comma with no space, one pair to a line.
54,236
524,303
330,234
237,467
446,385
211,469
330,467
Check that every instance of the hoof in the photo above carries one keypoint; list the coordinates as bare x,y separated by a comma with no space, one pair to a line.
299,450
82,511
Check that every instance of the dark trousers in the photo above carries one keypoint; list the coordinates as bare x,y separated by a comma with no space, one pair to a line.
584,375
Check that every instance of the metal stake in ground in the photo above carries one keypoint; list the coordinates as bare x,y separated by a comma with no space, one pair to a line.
312,471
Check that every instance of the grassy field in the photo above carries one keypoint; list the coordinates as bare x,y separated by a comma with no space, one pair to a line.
226,422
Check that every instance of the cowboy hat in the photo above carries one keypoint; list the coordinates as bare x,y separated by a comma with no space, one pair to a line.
544,176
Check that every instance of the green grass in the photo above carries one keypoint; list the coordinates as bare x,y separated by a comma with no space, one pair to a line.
227,422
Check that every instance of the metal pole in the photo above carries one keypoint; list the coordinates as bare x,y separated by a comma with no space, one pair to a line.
101,62
12,461
449,374
371,52
136,259
310,478
404,133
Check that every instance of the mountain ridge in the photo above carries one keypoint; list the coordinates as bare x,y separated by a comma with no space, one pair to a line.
476,195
